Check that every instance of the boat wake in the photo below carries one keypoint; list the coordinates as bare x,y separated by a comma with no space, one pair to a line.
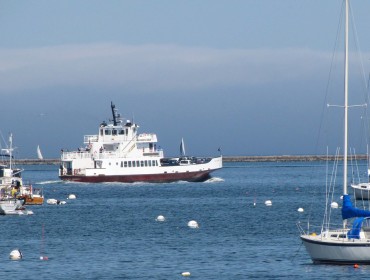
214,180
49,182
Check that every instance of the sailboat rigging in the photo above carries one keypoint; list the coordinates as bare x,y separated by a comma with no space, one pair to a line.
346,244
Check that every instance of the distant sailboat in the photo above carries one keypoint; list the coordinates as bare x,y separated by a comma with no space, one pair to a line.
39,154
182,148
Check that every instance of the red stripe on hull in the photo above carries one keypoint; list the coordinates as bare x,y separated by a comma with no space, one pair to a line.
199,176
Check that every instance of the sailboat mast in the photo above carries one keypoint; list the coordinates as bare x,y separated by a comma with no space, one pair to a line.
345,157
10,150
345,144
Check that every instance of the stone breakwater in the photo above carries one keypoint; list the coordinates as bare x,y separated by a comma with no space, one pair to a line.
225,159
287,158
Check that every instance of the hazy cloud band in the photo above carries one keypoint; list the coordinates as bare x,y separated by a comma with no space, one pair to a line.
153,67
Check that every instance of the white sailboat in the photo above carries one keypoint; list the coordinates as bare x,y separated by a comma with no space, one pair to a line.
182,148
39,154
361,190
349,245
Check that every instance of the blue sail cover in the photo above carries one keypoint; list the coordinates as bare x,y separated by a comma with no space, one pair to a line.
356,228
348,211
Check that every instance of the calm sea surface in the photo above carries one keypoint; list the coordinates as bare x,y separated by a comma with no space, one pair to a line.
110,231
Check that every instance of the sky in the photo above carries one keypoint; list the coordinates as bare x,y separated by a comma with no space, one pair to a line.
249,76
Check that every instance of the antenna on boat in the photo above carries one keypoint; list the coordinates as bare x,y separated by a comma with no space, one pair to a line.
113,107
116,116
10,149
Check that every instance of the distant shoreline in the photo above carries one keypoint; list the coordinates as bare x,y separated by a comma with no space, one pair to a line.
283,158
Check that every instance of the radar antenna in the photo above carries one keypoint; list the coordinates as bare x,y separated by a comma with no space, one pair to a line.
116,116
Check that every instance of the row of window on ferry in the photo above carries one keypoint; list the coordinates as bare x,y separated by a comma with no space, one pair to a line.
139,163
113,132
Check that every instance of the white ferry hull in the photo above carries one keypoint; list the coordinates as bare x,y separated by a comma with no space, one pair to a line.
336,252
199,176
162,174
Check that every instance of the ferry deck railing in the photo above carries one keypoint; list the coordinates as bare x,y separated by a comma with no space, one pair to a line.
101,155
90,138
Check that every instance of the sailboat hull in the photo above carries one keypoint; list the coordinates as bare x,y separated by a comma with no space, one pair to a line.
361,191
337,251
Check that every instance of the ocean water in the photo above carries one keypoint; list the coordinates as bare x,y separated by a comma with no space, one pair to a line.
110,231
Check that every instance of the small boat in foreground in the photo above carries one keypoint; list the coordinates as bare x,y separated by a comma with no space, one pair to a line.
11,185
30,195
119,154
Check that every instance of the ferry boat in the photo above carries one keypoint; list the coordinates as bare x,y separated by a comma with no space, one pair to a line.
119,154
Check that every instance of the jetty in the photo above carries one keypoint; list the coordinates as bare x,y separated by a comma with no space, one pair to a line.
281,158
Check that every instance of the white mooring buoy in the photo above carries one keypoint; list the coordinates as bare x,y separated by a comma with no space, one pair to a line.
334,205
72,196
268,202
160,218
51,201
16,255
193,224
300,210
185,273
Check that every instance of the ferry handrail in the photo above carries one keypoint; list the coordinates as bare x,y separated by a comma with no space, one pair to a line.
90,138
129,143
75,155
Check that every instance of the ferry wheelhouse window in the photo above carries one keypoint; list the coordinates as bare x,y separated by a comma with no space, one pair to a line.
150,162
114,132
108,132
133,163
142,163
125,163
121,132
129,163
